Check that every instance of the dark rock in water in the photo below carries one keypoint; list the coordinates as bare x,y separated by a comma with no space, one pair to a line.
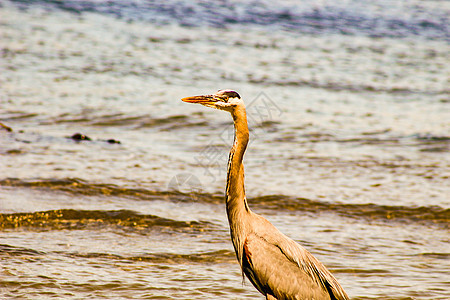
113,141
442,149
80,137
430,137
5,127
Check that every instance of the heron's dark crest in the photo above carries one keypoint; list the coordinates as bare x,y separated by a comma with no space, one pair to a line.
228,93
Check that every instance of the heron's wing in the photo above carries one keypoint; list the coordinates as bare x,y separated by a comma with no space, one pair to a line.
311,265
283,269
271,272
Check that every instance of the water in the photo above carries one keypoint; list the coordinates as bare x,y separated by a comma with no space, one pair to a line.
348,110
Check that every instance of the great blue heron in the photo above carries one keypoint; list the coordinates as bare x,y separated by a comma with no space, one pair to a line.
276,265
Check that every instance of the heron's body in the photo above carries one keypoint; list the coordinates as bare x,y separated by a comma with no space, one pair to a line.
276,265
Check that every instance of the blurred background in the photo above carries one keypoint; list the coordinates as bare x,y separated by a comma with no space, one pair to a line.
112,188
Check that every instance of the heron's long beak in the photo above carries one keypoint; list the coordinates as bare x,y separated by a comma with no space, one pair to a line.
203,99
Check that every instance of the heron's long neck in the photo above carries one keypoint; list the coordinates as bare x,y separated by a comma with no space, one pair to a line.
235,193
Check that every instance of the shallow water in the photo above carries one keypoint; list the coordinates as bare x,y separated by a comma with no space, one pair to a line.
348,111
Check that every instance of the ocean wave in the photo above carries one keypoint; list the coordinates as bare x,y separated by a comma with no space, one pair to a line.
82,187
85,219
369,212
397,19
8,250
338,86
217,256
134,121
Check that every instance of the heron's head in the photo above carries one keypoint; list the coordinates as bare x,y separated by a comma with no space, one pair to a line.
223,100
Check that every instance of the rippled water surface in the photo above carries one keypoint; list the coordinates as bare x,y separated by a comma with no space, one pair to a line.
112,188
